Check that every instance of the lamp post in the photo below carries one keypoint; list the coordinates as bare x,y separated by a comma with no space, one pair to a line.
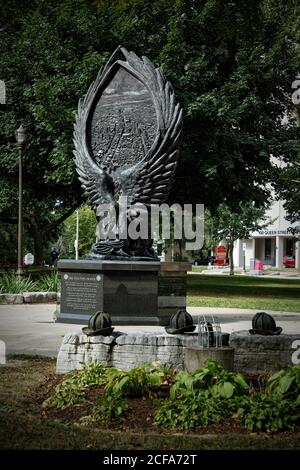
20,138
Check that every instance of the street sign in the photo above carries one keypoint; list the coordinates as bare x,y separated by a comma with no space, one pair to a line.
28,259
244,246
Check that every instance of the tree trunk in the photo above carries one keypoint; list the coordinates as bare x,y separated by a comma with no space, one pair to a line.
231,258
38,242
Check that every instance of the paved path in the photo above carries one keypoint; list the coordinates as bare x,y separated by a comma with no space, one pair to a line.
225,272
30,329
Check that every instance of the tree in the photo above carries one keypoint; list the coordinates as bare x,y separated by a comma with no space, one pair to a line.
47,64
87,224
231,64
231,226
287,184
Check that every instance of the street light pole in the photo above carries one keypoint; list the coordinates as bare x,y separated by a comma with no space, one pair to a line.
20,138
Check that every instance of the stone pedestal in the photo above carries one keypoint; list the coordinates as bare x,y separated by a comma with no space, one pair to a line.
125,290
195,357
260,354
123,351
172,289
132,292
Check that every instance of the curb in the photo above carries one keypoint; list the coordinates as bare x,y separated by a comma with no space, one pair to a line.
28,297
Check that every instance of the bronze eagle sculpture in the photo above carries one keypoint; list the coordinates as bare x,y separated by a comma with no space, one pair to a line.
126,139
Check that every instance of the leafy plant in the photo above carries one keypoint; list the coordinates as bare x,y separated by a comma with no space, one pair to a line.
109,407
201,398
68,393
137,381
286,383
192,410
265,412
92,373
72,390
214,378
50,282
12,284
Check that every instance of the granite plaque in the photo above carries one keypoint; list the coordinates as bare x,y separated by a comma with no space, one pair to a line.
172,285
125,290
81,292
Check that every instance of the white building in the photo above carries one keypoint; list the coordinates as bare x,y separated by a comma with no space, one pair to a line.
271,244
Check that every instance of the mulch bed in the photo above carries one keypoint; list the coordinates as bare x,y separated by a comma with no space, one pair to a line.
138,417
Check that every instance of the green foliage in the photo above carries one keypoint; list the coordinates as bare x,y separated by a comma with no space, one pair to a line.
12,284
214,378
267,412
87,228
231,64
93,373
49,283
71,390
109,407
137,381
205,397
201,398
286,383
191,410
210,395
230,225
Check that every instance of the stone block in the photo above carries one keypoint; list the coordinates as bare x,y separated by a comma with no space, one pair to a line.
258,353
195,357
11,298
39,297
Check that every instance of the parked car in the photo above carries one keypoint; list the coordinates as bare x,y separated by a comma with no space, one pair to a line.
204,260
289,261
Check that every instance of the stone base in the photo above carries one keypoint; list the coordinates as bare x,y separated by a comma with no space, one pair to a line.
123,351
195,357
132,292
126,290
252,353
257,353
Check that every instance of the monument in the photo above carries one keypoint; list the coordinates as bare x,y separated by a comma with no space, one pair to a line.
126,139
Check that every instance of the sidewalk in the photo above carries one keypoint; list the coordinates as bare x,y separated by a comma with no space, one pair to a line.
225,272
30,329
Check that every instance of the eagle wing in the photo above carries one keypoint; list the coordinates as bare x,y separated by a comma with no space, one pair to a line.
149,180
96,183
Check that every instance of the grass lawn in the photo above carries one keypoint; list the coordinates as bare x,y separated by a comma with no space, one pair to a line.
24,424
242,291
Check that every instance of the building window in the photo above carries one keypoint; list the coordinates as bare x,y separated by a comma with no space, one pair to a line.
289,247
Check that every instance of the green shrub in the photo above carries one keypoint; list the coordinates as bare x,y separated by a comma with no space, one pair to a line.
201,398
286,383
69,392
50,282
265,412
72,390
214,378
137,381
12,284
192,410
109,407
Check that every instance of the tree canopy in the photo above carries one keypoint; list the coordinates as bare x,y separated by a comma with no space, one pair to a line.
233,225
231,64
